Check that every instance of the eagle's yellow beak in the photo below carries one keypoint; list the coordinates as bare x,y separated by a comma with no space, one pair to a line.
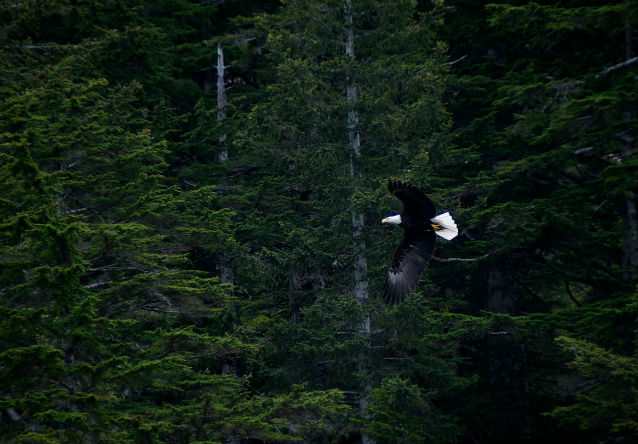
383,221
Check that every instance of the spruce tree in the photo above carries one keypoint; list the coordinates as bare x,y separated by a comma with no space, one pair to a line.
294,185
544,106
123,334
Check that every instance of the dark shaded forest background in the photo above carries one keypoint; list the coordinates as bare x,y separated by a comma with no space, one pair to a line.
193,254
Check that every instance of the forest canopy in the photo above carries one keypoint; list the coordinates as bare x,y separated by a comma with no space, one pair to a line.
190,202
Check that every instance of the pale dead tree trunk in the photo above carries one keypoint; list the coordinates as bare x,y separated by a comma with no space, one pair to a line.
630,247
360,262
628,38
360,290
225,270
221,99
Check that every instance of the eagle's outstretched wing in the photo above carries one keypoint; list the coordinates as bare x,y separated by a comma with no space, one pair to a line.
416,205
410,260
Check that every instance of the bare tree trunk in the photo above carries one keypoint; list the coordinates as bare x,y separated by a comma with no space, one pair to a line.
360,262
226,276
630,247
360,290
221,99
629,50
225,270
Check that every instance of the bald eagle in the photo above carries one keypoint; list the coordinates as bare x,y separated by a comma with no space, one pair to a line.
420,227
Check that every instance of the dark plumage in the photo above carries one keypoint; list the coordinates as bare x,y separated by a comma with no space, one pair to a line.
420,227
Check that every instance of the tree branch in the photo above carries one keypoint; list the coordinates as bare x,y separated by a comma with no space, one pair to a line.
571,295
34,47
453,62
97,284
618,66
459,259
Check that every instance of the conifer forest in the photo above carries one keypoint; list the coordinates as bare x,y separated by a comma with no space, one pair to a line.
191,246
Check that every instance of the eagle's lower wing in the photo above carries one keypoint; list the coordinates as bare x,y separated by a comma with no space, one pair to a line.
410,260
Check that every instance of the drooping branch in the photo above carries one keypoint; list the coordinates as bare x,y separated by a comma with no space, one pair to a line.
618,66
459,259
38,47
453,62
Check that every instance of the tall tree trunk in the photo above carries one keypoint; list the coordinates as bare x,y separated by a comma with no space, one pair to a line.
221,99
225,270
360,262
506,357
498,299
360,290
630,247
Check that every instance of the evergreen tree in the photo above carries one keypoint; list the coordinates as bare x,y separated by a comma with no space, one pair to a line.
294,186
544,105
128,187
122,337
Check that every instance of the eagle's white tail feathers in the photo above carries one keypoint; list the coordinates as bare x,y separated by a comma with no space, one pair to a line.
448,229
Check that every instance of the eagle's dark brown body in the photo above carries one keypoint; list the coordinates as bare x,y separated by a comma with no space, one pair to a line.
420,227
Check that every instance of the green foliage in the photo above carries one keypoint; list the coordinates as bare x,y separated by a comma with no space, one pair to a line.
116,216
112,329
605,397
542,174
402,412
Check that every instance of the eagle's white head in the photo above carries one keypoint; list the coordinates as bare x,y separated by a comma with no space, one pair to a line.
395,220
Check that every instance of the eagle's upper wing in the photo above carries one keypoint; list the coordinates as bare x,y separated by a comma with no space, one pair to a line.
416,205
410,260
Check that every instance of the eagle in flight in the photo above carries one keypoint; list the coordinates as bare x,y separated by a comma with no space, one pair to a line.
420,226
